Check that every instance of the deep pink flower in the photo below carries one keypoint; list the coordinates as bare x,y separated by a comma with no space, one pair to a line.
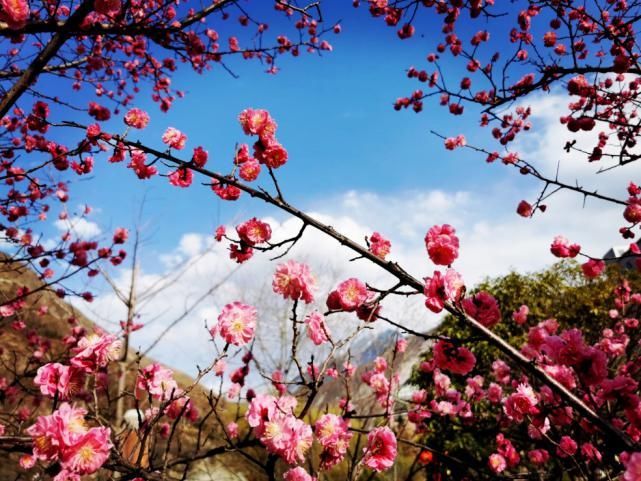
456,359
15,13
442,244
524,209
200,156
593,268
137,118
317,329
293,280
250,170
440,289
174,138
520,316
380,452
379,246
254,232
181,177
538,456
633,468
332,433
257,122
521,403
236,323
270,152
350,294
484,308
562,248
567,447
89,453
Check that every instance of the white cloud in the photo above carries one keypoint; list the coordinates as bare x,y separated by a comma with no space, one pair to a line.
80,226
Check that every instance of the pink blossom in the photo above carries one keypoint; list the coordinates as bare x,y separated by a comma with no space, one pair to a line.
380,452
250,170
297,474
232,430
293,280
561,248
440,289
349,295
379,246
174,138
521,403
484,308
57,379
157,381
200,156
520,316
633,468
236,323
15,13
317,329
524,209
137,118
497,463
96,351
567,447
257,122
181,177
89,453
442,244
452,143
593,268
270,152
538,456
254,232
456,359
332,432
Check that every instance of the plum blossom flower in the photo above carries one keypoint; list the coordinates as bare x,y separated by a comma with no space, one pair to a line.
174,138
521,403
236,323
332,433
593,268
293,280
440,289
58,379
317,329
15,13
633,468
456,359
520,316
380,452
497,463
257,122
379,246
96,351
254,232
442,244
349,295
562,248
157,381
297,474
137,118
484,308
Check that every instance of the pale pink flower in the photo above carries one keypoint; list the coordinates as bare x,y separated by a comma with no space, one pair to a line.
174,138
89,453
380,452
317,329
293,280
157,381
297,474
96,351
497,463
236,323
55,378
232,430
137,118
442,244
